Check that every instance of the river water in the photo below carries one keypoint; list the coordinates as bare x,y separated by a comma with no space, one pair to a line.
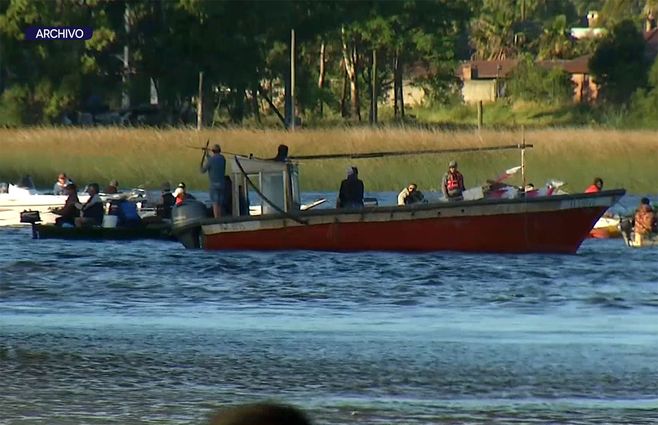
150,333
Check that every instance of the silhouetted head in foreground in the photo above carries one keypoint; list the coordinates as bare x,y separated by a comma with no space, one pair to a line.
281,153
260,414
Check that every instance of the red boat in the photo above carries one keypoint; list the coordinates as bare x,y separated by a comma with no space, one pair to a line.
540,224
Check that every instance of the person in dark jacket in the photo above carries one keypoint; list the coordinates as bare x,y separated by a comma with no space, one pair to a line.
167,201
68,213
93,210
351,190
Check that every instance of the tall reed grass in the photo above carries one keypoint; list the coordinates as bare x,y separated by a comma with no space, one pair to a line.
147,157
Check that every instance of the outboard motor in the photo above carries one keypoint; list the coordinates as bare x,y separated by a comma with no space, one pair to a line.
186,222
30,217
626,227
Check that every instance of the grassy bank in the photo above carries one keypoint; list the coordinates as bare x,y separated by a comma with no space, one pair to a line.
148,157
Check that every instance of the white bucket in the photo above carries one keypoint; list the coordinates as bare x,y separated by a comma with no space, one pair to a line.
110,220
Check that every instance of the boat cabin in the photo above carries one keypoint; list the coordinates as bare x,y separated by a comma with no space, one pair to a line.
275,182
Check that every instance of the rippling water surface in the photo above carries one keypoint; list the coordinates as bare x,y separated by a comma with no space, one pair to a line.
150,333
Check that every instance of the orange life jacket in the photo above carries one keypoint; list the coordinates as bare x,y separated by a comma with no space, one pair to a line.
592,189
455,181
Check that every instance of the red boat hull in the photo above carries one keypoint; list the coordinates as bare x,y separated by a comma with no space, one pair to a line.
553,224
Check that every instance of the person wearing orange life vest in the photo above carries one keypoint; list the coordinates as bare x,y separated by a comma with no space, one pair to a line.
645,221
597,186
452,185
181,195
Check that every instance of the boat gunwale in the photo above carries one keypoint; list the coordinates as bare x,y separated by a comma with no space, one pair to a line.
398,208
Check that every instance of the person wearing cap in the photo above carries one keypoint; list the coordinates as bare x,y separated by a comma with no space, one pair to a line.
112,188
410,195
596,186
60,185
351,190
180,194
93,210
68,213
452,185
215,166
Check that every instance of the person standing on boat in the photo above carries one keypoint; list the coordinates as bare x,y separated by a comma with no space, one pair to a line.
93,210
452,185
61,184
215,166
645,220
351,190
68,213
597,186
410,195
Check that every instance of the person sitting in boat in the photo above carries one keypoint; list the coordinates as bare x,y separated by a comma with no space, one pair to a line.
69,212
112,188
60,185
127,214
452,185
93,210
181,195
166,202
596,186
645,220
410,195
351,190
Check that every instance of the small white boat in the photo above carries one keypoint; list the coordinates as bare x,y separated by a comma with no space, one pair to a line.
18,199
606,227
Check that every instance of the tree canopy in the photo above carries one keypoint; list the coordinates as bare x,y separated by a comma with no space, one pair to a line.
346,52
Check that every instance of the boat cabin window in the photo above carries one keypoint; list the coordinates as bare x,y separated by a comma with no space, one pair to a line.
269,186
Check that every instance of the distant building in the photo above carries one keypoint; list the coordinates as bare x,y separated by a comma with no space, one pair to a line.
483,80
592,30
585,90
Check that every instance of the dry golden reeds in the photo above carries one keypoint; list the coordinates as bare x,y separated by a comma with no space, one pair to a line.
147,157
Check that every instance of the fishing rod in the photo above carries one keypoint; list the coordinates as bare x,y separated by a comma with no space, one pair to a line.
251,156
405,153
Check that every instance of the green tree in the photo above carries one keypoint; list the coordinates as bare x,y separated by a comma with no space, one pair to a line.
555,42
532,82
619,63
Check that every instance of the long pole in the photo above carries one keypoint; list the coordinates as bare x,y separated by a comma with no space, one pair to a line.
374,86
292,80
401,153
199,103
125,93
523,155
